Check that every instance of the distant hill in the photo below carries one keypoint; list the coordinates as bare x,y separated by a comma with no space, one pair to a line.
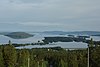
87,32
19,35
75,32
96,35
55,32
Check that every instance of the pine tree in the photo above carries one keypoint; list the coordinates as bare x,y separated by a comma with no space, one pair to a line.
1,57
91,43
9,43
9,53
23,57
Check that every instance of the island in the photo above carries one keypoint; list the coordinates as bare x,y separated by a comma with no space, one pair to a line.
63,39
19,35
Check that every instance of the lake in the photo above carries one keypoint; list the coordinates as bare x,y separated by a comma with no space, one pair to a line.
40,36
70,45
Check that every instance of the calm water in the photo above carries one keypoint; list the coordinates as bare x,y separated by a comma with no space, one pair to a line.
61,44
37,37
40,37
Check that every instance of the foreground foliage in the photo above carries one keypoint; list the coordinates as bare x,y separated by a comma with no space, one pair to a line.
46,57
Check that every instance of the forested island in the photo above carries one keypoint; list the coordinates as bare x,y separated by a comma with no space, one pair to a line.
66,39
19,35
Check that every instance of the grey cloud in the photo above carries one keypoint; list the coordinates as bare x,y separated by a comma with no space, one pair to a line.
63,13
32,1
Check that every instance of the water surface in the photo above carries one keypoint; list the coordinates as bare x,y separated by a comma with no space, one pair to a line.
40,36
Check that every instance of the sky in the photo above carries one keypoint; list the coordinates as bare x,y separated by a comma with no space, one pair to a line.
49,15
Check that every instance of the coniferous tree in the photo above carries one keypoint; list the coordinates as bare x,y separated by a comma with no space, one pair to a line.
1,57
9,54
23,58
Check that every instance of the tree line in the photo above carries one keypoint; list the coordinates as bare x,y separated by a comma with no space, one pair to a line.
48,57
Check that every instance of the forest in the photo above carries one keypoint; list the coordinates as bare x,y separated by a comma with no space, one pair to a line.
48,57
19,35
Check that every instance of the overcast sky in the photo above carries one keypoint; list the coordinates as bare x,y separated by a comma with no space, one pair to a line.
49,15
